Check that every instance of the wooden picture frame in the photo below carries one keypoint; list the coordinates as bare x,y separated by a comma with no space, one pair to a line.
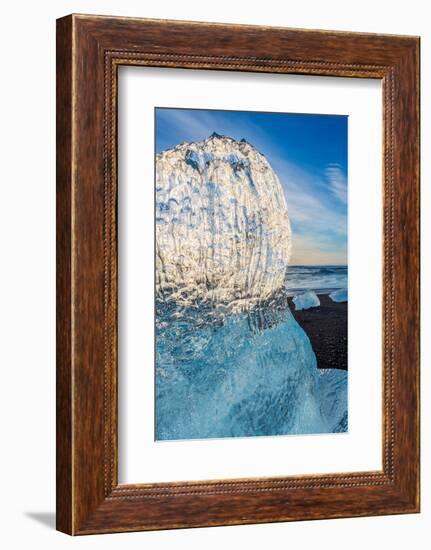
89,51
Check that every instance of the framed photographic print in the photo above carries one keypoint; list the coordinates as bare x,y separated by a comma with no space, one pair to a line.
237,274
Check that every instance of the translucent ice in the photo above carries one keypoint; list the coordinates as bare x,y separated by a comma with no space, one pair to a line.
230,358
236,379
222,227
333,391
339,295
305,300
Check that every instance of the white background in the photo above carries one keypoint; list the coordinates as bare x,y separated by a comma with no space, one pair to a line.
141,458
27,122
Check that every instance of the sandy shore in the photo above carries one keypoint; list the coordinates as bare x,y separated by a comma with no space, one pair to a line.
326,326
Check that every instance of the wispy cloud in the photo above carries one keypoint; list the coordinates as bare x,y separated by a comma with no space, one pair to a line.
309,250
337,182
183,122
307,197
319,225
316,196
194,125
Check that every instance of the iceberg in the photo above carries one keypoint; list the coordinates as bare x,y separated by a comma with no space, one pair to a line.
305,300
339,295
333,390
235,380
222,226
231,360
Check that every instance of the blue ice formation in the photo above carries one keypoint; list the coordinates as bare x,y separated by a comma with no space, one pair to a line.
339,295
222,226
333,390
231,360
244,378
305,300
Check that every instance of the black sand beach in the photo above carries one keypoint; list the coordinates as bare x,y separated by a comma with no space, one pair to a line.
326,326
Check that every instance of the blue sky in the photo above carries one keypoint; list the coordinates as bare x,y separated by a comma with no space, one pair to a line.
308,153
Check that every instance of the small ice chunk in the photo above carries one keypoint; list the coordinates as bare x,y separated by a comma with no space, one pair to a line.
339,295
305,300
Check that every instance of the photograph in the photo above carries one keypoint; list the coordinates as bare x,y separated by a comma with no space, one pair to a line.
251,273
211,270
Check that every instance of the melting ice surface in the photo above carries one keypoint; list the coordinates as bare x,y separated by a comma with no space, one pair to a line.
306,299
222,227
339,295
247,376
230,358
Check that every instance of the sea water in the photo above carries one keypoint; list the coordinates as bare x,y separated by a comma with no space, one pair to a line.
322,279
